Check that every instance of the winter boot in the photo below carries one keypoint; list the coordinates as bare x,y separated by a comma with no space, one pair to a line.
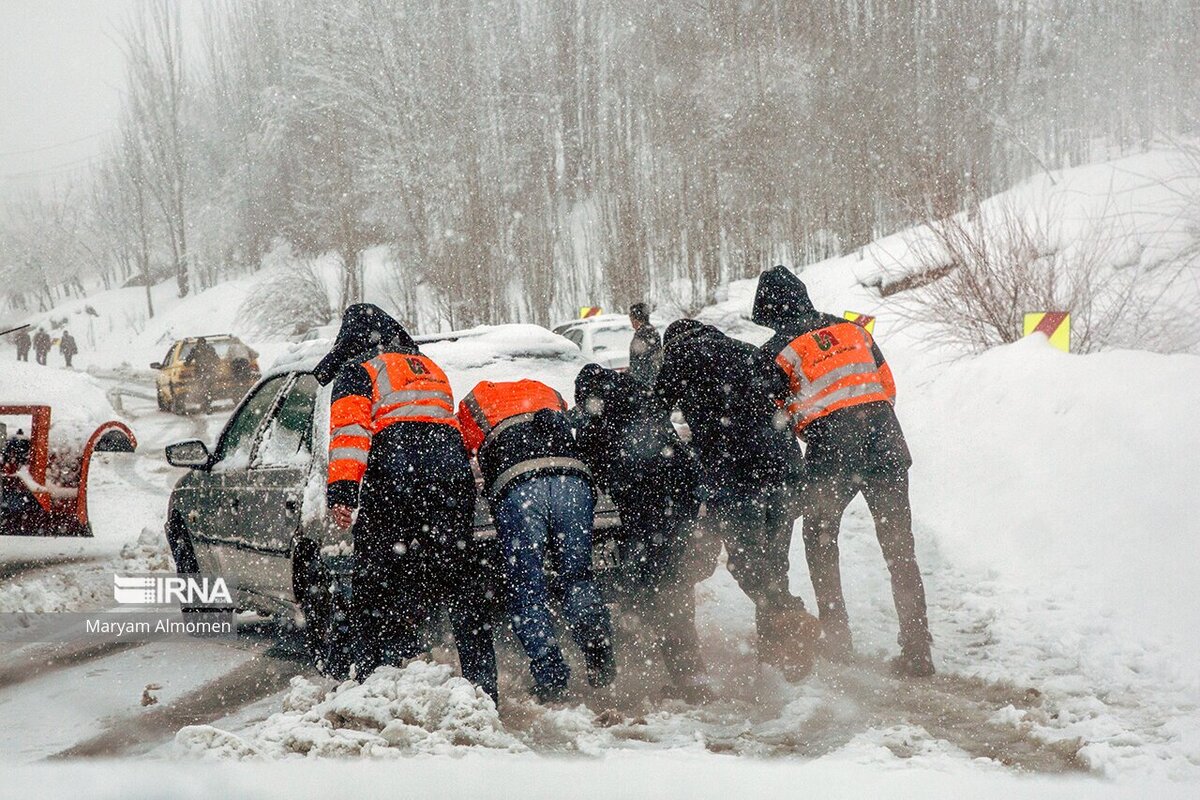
601,666
913,662
836,643
788,639
547,693
692,693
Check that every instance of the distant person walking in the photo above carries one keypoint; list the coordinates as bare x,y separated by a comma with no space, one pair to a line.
23,342
41,346
646,350
68,347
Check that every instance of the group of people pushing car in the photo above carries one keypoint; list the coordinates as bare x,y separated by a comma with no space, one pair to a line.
400,477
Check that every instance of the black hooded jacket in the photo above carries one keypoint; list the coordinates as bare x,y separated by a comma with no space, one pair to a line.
859,438
727,390
405,453
627,440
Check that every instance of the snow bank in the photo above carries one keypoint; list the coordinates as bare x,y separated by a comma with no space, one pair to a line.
420,709
56,590
78,403
1070,471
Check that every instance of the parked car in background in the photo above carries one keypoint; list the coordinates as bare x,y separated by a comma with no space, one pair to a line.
181,383
603,339
253,508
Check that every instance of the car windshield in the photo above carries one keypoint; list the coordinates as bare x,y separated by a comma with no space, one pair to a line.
220,345
613,338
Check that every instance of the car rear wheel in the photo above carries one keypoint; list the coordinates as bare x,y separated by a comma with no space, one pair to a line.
162,401
178,402
184,556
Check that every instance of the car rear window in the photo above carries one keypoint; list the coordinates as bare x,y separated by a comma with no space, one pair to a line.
613,338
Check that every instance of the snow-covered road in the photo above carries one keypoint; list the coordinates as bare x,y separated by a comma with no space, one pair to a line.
1024,685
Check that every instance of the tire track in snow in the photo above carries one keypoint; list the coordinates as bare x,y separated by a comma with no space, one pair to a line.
31,664
264,675
16,569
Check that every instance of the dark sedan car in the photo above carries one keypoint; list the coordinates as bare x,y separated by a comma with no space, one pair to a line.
252,509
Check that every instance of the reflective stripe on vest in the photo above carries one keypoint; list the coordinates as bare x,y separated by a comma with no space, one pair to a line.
504,424
506,404
349,439
830,369
409,388
533,465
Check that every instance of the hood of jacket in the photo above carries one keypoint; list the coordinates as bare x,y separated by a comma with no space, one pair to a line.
593,381
682,330
781,299
366,331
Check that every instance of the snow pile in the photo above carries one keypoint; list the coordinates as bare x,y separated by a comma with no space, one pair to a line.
53,589
422,708
78,403
1071,471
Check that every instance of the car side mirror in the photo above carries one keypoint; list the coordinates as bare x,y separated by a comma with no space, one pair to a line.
156,365
192,454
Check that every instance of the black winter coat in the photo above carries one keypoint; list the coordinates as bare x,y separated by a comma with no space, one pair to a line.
628,442
863,438
645,354
727,390
404,454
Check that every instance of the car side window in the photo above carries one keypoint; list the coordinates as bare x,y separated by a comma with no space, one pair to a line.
237,442
286,439
575,336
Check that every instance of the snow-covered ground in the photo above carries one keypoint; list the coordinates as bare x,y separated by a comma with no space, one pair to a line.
1054,517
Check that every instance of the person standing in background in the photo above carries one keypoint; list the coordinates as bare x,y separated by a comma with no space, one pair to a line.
645,351
68,347
41,346
23,343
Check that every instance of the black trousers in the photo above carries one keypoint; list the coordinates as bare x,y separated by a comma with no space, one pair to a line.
886,494
757,533
661,561
414,555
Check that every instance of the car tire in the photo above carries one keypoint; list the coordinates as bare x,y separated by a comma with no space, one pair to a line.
162,401
178,402
184,556
326,630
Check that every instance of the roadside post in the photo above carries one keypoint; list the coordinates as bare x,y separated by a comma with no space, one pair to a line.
1055,324
864,321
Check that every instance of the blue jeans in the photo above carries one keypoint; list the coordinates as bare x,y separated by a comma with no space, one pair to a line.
545,528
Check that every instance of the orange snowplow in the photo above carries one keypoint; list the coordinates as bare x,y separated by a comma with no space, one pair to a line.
43,484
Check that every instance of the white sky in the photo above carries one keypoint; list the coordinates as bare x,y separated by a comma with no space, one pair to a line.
61,77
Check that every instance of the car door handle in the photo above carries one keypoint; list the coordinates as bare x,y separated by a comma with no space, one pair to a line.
290,503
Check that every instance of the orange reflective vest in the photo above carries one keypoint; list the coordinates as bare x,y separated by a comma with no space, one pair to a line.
833,368
404,388
492,407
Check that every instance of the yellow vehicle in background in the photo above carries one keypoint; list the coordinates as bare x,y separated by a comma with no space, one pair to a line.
199,371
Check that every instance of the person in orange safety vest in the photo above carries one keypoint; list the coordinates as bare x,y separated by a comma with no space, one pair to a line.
396,454
841,397
543,502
